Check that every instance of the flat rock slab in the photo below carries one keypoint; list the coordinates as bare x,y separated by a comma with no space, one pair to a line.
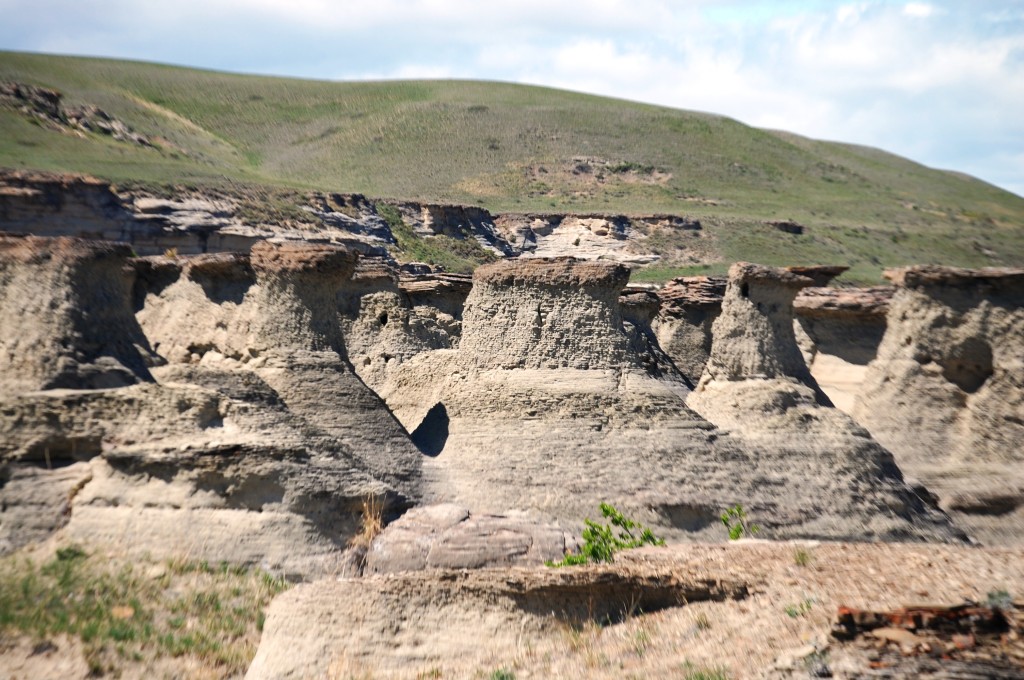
447,536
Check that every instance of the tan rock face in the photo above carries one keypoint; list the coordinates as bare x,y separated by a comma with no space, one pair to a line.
757,384
529,314
255,446
558,436
689,306
839,330
283,324
946,392
754,334
67,316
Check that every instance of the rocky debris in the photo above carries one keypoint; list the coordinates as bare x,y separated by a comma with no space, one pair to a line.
689,305
70,302
946,391
275,312
45,105
449,536
457,620
964,641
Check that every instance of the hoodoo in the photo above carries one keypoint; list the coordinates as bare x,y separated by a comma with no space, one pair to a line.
208,463
274,315
546,406
946,391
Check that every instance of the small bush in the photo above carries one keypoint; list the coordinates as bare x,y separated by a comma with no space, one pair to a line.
801,557
735,520
602,541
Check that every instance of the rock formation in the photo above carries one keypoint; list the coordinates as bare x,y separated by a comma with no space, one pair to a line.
689,305
447,536
67,316
946,391
547,406
386,320
839,330
756,384
275,313
210,461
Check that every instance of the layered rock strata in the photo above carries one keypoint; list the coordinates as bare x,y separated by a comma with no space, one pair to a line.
689,305
756,384
275,312
67,316
946,391
209,462
839,331
386,320
546,406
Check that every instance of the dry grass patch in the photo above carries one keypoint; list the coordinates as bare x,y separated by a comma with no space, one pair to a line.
138,614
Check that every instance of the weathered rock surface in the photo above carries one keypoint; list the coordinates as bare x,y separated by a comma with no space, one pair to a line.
946,391
689,305
67,317
386,320
448,536
757,384
548,623
839,330
275,313
547,392
210,461
402,623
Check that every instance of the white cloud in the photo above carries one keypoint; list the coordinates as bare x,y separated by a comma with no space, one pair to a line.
918,9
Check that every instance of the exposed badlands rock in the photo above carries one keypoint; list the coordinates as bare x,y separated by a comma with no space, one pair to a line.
209,463
756,383
946,391
447,536
67,316
689,305
47,204
546,406
465,621
719,609
386,321
839,330
275,313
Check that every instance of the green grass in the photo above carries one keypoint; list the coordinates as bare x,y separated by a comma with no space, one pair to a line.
128,613
514,148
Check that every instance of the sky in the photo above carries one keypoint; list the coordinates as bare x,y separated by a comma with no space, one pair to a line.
940,82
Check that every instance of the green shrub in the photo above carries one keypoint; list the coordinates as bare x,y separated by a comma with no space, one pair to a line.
735,520
602,541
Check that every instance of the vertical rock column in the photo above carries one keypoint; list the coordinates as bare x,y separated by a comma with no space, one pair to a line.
65,305
295,330
946,391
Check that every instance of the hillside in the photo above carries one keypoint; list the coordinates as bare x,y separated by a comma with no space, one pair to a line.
514,148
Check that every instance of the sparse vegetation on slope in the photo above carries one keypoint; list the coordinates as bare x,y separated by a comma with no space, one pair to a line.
518,148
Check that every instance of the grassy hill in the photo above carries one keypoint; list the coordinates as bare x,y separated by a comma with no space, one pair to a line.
519,148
